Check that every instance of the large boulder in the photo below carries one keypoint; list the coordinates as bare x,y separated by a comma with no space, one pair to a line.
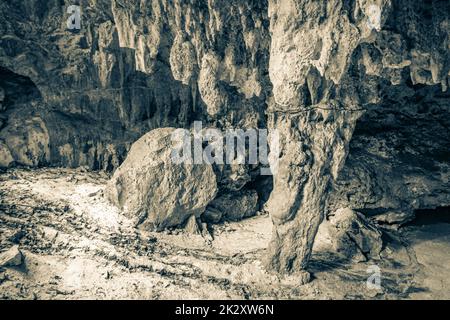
158,193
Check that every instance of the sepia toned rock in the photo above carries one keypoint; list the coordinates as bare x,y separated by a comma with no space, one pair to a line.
232,206
27,142
357,92
212,215
6,158
354,235
344,85
192,226
11,258
158,193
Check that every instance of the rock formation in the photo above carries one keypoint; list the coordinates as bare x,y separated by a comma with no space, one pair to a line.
233,207
398,157
358,91
318,87
353,235
156,192
129,69
11,258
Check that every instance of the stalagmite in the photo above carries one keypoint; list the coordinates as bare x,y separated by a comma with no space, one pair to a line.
311,152
330,78
315,128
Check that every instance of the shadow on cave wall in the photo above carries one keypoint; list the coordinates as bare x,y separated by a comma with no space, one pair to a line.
16,89
399,155
431,216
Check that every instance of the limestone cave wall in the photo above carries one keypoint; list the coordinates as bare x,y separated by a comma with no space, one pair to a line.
368,98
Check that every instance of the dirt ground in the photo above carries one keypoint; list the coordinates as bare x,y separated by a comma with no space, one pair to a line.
77,246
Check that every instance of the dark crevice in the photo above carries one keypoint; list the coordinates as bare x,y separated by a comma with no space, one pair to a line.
17,89
431,216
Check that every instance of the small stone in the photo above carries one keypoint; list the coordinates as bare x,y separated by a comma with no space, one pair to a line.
192,226
11,258
304,277
16,236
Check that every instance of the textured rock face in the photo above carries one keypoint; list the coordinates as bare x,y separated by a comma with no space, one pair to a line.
353,235
308,68
232,207
327,61
11,258
398,159
27,141
131,68
367,79
153,190
5,156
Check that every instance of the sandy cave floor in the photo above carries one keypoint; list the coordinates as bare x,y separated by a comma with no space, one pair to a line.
77,246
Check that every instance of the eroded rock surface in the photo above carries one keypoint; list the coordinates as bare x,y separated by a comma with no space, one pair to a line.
130,68
11,258
363,79
354,236
398,160
328,60
233,206
150,188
